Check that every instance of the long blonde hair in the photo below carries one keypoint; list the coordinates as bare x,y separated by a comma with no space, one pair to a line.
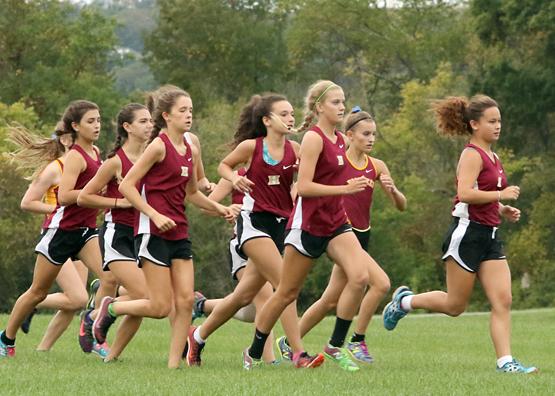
316,93
34,152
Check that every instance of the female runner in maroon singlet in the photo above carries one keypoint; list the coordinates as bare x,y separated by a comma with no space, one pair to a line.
261,145
472,247
134,125
204,306
45,158
360,129
166,172
319,224
71,230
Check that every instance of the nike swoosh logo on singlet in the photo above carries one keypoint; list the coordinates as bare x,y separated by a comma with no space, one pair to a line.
340,146
287,166
369,170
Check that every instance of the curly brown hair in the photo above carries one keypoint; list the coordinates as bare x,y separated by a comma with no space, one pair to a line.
454,113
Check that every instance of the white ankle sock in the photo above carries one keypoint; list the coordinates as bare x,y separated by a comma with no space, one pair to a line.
406,303
197,337
504,359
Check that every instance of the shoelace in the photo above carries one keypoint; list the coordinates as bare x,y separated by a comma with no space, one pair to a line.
363,347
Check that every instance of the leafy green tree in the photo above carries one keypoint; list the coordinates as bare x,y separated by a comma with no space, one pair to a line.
242,51
52,52
514,62
372,50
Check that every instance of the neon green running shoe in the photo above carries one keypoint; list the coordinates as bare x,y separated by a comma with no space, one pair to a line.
250,363
342,357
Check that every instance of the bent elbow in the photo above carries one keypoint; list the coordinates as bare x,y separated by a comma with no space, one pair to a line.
62,199
122,188
464,196
24,205
81,200
302,190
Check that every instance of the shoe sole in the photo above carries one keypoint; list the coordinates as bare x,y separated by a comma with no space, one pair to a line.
397,291
98,354
103,311
190,339
356,368
81,324
317,362
358,360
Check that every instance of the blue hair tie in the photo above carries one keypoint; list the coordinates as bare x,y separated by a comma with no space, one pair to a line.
356,109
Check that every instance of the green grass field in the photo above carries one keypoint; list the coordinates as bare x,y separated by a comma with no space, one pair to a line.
426,354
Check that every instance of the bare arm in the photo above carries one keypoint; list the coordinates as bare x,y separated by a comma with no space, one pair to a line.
73,166
242,154
154,153
89,196
470,165
202,181
222,190
311,147
388,185
202,201
32,200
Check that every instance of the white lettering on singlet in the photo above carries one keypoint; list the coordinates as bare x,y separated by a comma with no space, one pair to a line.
340,160
273,180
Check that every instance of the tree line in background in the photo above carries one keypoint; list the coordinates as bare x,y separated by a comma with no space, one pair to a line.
391,61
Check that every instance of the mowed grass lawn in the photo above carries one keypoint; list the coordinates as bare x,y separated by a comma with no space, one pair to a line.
426,354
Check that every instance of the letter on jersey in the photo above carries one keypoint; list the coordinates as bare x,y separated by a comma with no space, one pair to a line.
273,180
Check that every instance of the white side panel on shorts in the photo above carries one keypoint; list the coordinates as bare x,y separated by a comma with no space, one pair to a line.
144,220
111,254
143,251
248,202
58,216
460,210
298,215
44,243
456,238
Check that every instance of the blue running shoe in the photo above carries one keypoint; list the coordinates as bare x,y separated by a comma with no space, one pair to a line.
198,306
6,351
102,350
393,312
516,367
285,350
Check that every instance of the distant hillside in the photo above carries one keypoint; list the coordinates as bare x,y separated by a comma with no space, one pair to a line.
135,18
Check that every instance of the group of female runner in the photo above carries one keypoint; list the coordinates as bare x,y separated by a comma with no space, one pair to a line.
281,225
